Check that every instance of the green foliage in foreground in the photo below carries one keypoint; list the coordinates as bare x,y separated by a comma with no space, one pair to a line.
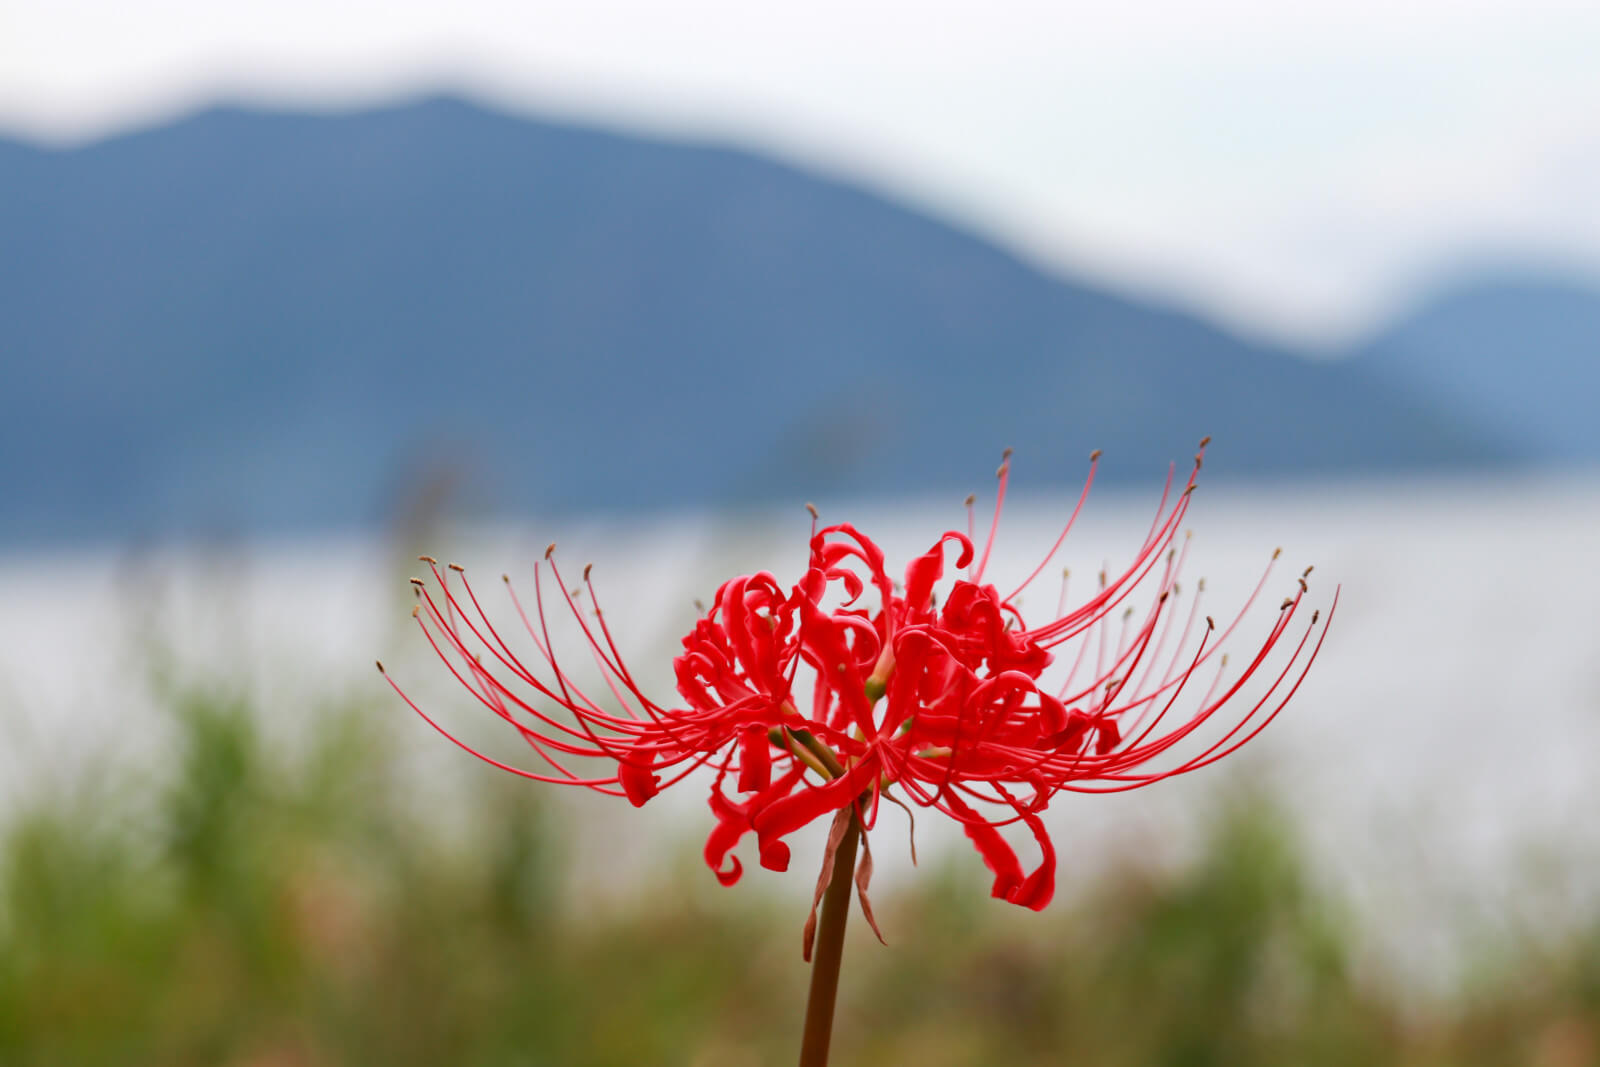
270,911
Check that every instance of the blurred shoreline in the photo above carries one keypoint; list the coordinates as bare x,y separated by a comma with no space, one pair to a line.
1442,745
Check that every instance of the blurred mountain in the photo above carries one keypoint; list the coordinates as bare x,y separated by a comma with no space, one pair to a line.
1516,351
252,321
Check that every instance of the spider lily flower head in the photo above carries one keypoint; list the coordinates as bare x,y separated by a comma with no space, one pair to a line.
823,698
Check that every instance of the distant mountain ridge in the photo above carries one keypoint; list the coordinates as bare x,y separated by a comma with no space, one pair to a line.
263,321
1515,350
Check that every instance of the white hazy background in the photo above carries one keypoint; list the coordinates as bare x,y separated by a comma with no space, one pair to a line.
1296,170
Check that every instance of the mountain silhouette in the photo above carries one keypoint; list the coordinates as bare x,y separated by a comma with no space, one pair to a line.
261,321
1517,351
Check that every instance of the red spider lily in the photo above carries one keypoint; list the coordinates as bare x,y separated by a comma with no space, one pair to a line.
927,693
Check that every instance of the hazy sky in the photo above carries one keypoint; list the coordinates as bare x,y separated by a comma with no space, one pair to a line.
1295,168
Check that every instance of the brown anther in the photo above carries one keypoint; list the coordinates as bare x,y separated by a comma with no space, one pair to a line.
1199,460
1164,596
813,509
576,592
1288,602
699,606
1307,572
1128,613
418,582
380,667
1171,554
550,551
1066,572
1304,588
1102,577
587,567
1000,471
1277,552
1094,455
415,611
1200,586
972,498
1211,624
1224,663
1315,615
458,568
1005,455
427,559
1206,440
1176,589
1191,487
506,578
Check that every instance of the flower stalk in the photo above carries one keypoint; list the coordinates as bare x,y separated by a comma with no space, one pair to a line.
829,952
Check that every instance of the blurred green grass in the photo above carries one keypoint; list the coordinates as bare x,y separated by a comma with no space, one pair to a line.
275,905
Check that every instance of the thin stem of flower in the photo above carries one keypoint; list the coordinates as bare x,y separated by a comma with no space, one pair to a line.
829,953
822,752
784,738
